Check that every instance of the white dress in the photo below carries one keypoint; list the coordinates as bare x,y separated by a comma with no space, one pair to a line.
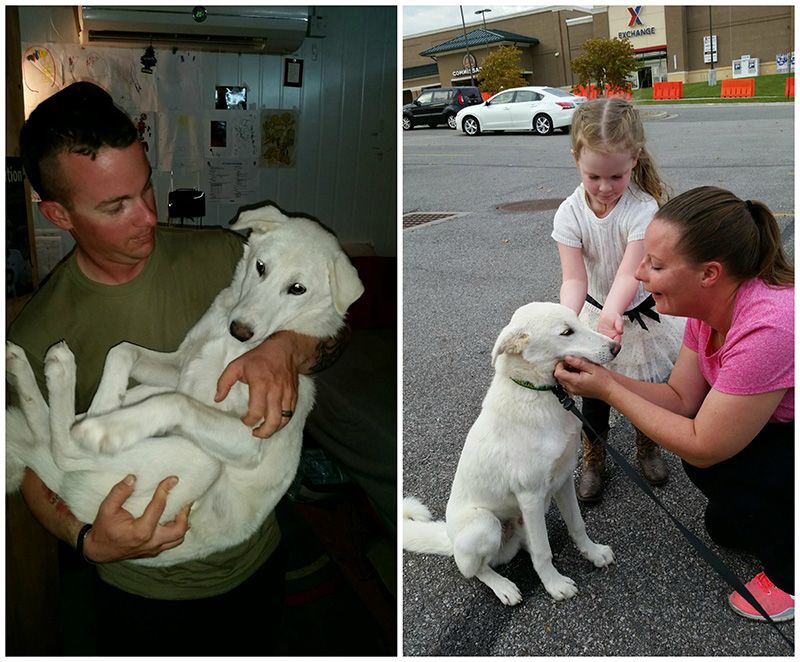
646,354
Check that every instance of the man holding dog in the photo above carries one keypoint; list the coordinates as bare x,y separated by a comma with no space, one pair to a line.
128,280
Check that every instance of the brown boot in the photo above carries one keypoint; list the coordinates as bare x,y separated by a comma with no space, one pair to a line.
649,455
590,486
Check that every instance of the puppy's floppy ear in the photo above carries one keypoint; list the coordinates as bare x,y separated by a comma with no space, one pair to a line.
261,219
346,286
510,341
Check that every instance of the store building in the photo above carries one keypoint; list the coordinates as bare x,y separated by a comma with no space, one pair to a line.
671,43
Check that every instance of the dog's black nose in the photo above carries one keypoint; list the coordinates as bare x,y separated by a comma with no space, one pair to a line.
240,331
615,348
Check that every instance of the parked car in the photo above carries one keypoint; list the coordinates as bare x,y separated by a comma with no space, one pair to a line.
439,106
539,109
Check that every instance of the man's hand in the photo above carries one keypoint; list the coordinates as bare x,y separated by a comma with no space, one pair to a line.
581,377
116,535
270,372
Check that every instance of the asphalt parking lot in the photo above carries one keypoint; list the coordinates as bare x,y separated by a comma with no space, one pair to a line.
463,276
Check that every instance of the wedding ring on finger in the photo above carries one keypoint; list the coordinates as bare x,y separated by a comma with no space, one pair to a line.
287,413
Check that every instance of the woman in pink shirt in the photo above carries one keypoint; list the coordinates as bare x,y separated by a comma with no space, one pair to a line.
727,410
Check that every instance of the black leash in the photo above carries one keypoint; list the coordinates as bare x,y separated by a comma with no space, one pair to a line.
710,557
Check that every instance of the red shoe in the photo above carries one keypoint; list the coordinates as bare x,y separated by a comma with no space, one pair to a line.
778,604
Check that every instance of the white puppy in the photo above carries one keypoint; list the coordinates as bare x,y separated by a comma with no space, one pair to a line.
520,452
294,276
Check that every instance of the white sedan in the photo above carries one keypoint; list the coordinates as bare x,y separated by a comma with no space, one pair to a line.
539,109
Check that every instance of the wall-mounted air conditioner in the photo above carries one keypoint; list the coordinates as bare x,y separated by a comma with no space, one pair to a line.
261,29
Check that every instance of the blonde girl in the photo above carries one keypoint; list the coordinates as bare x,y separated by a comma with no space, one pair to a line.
599,230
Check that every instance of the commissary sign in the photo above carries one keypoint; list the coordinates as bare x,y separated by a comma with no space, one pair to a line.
470,66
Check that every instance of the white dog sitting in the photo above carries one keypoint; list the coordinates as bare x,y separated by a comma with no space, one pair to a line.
520,452
293,276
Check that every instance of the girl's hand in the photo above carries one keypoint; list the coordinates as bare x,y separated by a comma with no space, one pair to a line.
581,377
611,325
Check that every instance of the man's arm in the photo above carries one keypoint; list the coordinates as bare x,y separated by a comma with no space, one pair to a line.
324,353
49,509
270,372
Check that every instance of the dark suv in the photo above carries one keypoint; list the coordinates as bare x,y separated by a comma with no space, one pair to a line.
439,106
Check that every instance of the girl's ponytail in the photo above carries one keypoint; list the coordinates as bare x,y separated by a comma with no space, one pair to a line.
646,177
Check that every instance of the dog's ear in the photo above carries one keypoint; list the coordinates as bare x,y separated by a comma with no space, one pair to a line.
346,286
261,219
510,341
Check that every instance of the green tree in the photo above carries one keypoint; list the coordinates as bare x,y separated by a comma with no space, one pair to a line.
605,62
501,70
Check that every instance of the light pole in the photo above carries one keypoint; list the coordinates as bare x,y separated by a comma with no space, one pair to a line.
712,75
466,44
482,12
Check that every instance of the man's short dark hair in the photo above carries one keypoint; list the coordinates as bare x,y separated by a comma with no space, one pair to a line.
80,119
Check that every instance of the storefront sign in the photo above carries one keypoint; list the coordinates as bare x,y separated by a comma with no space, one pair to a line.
636,33
470,66
636,20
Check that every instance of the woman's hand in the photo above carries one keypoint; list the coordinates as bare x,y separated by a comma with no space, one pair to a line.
581,377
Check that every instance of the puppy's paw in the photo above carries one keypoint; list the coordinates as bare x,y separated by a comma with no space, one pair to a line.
561,587
59,362
17,366
14,354
101,434
600,555
507,591
91,435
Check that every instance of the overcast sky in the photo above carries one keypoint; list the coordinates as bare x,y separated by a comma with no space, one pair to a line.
434,17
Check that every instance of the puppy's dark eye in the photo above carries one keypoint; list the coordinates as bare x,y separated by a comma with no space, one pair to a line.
567,332
296,288
260,268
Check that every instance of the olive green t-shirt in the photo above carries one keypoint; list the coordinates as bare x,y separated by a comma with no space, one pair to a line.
186,270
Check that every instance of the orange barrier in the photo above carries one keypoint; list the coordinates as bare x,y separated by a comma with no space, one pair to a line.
590,91
623,92
672,90
485,96
743,87
789,91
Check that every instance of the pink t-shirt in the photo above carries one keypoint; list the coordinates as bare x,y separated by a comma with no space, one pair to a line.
758,353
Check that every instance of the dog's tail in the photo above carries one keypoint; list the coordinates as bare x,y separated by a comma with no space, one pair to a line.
420,533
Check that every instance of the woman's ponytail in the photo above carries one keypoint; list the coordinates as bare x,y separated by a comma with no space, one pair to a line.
774,267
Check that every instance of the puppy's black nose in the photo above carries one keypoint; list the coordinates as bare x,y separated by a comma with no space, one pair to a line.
615,348
240,331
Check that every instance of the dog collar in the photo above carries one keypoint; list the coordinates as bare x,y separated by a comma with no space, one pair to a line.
533,387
